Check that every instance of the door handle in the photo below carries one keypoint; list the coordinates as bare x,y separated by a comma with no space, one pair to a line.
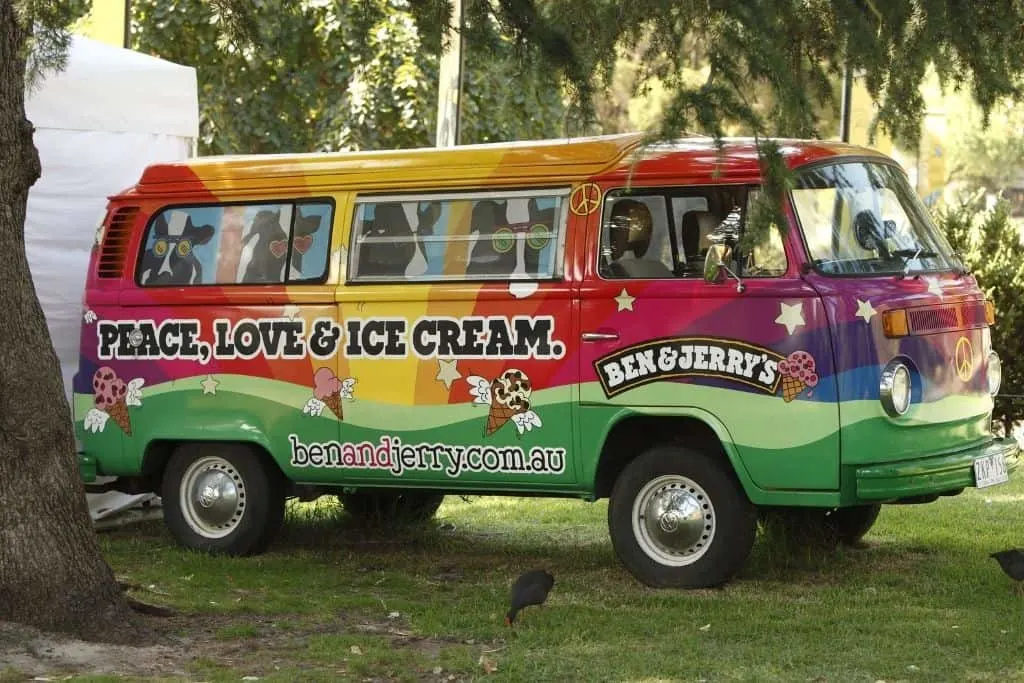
600,336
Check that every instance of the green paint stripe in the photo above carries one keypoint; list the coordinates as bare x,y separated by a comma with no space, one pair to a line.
369,414
762,420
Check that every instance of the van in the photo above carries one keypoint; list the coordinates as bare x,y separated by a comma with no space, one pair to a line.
579,319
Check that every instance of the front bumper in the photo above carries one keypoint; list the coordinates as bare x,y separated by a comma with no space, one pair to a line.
933,475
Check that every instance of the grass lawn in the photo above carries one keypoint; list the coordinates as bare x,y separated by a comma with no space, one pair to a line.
921,602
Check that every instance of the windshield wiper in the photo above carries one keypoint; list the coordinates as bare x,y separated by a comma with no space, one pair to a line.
909,255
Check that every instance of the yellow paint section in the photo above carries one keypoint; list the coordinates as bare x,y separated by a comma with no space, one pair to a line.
563,161
105,22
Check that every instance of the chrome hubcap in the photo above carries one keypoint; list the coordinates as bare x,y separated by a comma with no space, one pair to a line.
212,496
673,520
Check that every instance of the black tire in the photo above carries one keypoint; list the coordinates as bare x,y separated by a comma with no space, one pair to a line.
823,527
391,506
848,525
722,529
245,527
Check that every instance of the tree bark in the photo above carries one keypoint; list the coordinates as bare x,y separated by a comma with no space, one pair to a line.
52,573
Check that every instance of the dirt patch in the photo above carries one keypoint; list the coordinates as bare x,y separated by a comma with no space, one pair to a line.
33,653
258,643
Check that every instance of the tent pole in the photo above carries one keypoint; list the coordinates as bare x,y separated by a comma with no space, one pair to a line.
127,24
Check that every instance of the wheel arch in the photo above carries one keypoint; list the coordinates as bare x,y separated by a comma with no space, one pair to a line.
158,452
632,432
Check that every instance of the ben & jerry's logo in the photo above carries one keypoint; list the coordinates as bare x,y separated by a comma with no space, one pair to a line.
672,357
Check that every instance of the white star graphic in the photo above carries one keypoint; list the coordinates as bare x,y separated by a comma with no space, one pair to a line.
792,316
521,290
865,310
290,311
447,372
934,286
624,301
210,385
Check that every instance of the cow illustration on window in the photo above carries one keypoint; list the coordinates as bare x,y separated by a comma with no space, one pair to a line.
510,237
493,252
170,259
392,241
423,219
265,247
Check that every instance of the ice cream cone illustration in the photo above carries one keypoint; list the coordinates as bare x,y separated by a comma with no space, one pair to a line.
333,402
510,396
119,411
798,373
111,394
498,416
330,390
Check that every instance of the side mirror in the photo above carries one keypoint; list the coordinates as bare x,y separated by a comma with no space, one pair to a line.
714,265
714,262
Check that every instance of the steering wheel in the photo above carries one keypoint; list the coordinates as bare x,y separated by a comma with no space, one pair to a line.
867,232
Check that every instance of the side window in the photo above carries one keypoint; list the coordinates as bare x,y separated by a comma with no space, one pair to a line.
666,233
767,256
635,238
267,243
492,236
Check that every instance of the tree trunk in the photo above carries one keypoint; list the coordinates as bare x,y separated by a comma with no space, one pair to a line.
52,573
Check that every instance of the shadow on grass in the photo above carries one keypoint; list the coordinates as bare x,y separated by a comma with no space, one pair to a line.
782,553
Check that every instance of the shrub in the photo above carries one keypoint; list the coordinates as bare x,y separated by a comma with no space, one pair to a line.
988,242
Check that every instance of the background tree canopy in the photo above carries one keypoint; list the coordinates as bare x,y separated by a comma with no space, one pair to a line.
322,76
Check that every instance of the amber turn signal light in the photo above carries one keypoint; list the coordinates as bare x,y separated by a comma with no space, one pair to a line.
894,323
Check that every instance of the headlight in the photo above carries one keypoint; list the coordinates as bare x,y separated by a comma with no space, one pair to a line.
994,374
894,389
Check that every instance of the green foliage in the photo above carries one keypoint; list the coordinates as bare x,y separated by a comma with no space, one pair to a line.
792,51
990,246
980,157
47,45
284,76
766,210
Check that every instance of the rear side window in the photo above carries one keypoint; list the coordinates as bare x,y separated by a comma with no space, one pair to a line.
465,236
231,244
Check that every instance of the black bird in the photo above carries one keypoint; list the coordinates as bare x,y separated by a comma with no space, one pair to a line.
530,588
1012,563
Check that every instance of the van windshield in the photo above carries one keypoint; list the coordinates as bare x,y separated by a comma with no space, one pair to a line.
861,218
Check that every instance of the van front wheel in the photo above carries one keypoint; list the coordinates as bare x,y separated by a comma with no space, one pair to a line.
678,518
221,498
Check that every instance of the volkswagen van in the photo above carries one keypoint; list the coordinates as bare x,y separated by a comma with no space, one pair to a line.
573,318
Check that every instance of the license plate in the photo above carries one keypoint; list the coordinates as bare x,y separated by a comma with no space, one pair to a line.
990,470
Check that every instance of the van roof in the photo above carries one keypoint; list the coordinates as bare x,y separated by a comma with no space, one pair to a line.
509,163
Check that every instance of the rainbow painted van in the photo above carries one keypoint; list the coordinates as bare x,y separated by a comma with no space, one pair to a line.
567,318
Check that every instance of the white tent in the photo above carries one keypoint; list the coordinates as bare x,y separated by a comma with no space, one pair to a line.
98,123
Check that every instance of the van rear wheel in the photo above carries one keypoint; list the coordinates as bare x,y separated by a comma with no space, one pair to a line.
391,506
221,498
678,518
